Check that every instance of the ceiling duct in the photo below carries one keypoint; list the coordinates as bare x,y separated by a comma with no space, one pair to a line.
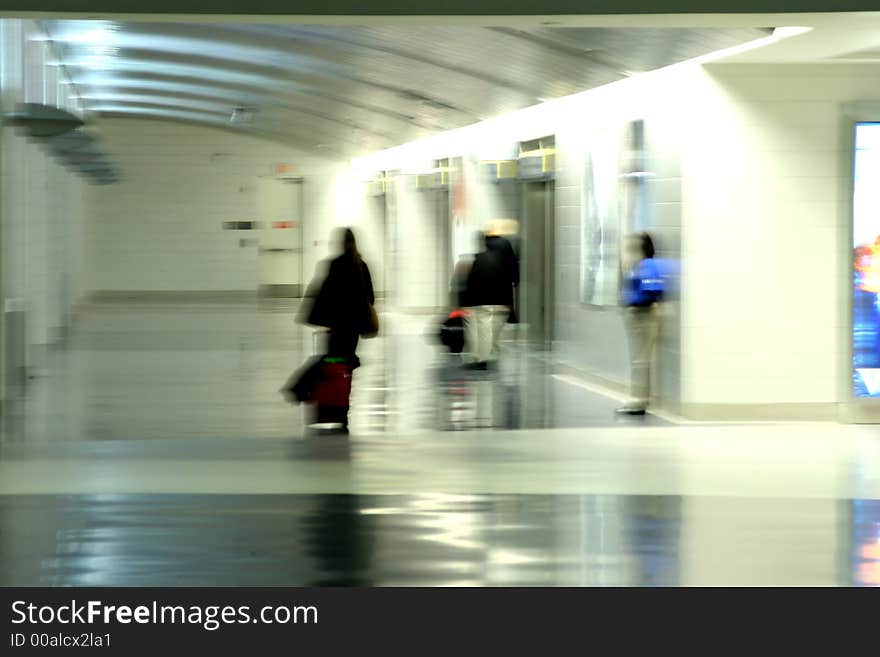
537,158
78,151
42,121
58,129
74,160
495,171
73,141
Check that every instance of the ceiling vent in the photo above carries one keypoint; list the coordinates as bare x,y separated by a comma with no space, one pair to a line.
243,115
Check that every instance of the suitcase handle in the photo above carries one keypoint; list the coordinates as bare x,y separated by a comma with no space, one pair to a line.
317,334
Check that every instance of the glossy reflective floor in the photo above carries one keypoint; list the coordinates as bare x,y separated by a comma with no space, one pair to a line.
148,371
156,449
436,540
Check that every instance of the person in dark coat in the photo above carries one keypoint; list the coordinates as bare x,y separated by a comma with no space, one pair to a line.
343,301
489,292
510,263
461,271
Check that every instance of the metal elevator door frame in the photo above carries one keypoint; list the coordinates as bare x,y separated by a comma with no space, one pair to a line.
443,241
378,228
537,264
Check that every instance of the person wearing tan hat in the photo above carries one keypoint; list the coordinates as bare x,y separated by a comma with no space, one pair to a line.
489,292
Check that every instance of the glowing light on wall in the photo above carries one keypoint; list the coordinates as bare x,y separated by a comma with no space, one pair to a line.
866,262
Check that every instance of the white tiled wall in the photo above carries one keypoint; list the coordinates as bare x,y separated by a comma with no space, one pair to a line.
160,228
765,224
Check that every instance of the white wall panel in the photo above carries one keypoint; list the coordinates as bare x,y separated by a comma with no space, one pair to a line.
160,227
765,213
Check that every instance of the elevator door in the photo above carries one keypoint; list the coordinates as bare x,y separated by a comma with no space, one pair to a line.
536,261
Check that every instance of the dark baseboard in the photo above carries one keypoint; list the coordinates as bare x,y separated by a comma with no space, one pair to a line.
282,291
172,296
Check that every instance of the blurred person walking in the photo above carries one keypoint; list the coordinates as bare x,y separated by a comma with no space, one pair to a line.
461,272
642,291
504,243
342,302
489,298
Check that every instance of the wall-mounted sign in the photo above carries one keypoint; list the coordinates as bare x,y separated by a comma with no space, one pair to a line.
240,225
285,224
283,168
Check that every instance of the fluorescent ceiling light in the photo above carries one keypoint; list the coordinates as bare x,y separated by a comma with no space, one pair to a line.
96,33
786,32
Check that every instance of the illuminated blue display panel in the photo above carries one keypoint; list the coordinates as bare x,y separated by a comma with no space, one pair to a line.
866,262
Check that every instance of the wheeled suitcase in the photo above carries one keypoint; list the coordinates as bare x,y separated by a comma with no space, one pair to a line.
452,332
332,392
323,383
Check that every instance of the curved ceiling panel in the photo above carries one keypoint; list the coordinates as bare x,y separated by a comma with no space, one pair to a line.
350,89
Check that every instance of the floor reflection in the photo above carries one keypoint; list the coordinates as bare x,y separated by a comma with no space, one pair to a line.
428,540
406,386
150,371
339,540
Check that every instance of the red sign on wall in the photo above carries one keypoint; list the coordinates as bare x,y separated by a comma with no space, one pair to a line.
285,224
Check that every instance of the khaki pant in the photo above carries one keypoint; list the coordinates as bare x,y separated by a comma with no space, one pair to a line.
642,327
483,329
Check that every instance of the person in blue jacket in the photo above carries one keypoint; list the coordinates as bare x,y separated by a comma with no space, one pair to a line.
642,291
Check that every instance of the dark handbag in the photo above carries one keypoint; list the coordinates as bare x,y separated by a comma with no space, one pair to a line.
371,326
317,309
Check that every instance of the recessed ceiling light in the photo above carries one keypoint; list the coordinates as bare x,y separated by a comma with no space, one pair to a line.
790,31
242,115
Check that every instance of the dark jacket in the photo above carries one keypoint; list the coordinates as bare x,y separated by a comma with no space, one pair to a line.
493,275
343,300
458,284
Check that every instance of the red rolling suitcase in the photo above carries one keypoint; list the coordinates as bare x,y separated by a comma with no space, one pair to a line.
330,398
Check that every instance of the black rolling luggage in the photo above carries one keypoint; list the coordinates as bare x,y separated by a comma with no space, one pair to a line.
452,332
